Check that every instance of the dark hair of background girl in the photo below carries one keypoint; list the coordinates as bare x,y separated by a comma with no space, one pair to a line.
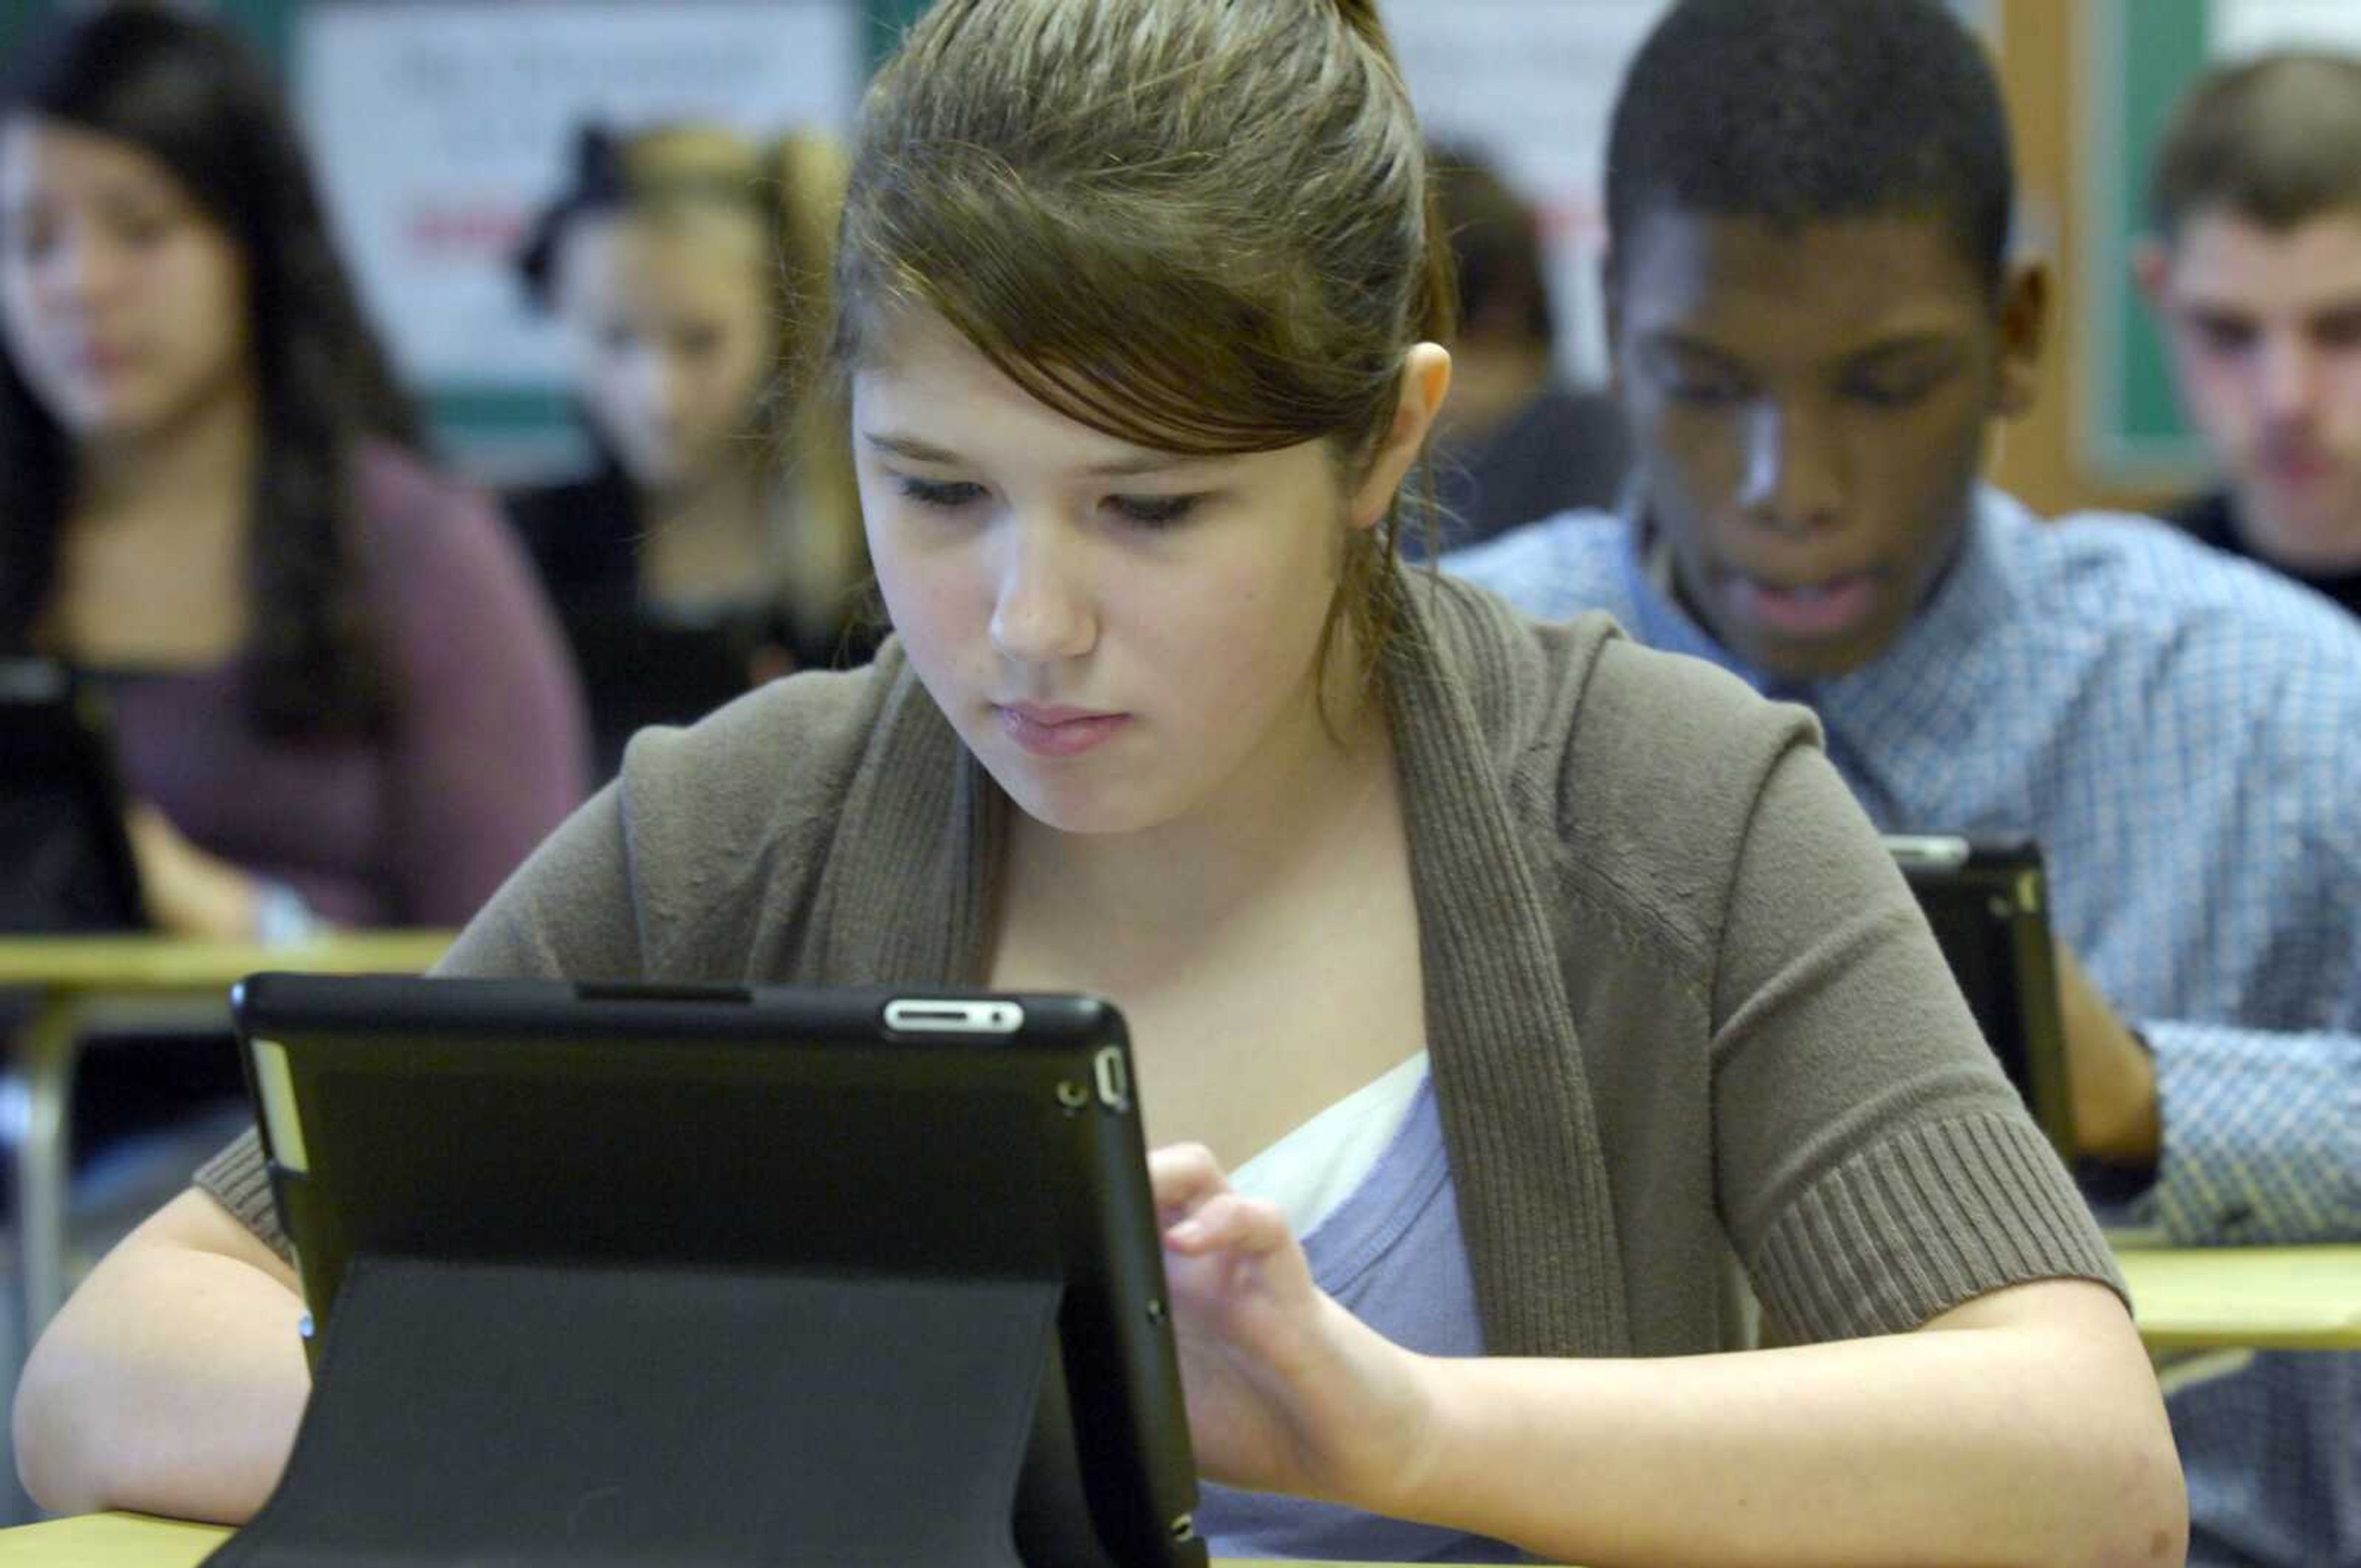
187,94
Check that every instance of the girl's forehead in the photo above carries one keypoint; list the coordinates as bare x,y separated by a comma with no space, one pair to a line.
917,364
626,254
942,400
673,234
35,149
917,377
906,342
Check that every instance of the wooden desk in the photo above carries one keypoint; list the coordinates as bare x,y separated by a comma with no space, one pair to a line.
2257,1298
109,1540
70,977
130,1540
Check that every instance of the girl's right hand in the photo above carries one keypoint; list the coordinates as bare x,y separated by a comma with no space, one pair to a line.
1287,1391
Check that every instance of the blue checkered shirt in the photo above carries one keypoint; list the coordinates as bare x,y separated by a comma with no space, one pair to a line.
2181,732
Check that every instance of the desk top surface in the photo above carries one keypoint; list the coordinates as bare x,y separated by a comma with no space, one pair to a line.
2260,1298
130,1541
133,964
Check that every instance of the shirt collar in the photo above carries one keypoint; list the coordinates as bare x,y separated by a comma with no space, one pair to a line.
1974,596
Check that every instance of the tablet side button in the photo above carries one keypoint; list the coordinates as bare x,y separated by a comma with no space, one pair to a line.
1115,1079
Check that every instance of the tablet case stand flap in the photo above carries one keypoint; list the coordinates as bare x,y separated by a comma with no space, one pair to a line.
497,1413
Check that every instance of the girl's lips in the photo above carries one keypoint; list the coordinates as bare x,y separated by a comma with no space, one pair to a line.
1821,610
1058,731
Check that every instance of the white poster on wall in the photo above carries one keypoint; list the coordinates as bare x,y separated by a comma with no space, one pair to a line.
439,128
1528,84
2242,27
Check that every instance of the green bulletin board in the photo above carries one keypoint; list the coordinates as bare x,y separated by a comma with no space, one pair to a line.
2138,55
886,20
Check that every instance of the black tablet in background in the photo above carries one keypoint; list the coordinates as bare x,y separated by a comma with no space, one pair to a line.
65,863
700,1146
1988,902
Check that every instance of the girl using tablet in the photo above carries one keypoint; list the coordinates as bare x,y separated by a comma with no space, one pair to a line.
1503,994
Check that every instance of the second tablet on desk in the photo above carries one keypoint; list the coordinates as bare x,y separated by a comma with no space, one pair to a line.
1988,901
65,863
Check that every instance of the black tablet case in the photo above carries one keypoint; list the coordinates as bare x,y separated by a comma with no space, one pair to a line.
1986,896
510,1414
469,1408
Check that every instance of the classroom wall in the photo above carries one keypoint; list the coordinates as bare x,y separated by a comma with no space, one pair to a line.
2044,457
2086,81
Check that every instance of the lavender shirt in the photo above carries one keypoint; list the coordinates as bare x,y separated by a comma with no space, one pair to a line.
1391,1254
484,754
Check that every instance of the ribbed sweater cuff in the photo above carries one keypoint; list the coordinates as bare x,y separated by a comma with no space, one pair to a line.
1929,1218
240,1180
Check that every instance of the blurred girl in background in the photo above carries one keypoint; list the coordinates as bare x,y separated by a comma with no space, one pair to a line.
338,693
718,541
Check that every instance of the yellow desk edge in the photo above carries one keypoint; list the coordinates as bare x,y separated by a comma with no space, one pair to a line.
109,1540
133,1540
2263,1298
140,963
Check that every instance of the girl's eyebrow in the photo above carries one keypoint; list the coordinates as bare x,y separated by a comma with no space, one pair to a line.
911,449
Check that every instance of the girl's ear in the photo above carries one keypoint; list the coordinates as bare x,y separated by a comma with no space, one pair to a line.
1426,378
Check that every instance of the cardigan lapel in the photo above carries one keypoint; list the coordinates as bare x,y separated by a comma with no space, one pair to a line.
909,893
1517,1118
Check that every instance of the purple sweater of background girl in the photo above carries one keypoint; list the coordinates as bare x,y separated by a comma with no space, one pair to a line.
483,752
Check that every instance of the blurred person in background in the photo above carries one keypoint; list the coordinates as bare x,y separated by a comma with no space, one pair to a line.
717,542
337,694
1514,444
1818,327
2253,271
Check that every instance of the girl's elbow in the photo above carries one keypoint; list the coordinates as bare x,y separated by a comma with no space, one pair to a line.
2147,1525
47,1436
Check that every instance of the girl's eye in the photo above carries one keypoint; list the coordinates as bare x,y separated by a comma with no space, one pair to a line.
949,494
1153,511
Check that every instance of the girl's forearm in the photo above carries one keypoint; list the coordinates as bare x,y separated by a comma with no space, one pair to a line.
1986,1440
